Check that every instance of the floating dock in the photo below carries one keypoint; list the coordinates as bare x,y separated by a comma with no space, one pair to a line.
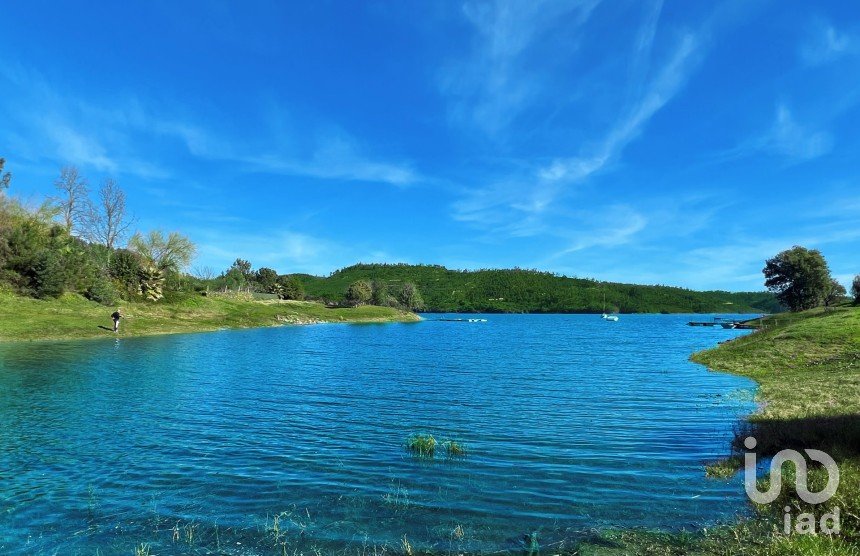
734,324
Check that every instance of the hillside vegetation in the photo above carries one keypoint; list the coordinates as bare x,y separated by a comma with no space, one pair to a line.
518,291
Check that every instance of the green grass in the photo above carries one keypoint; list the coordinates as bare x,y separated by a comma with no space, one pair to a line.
72,316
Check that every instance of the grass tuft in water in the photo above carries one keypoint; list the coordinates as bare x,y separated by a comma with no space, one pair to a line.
422,445
725,468
455,449
143,549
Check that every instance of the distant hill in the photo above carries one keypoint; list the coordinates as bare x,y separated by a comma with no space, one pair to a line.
531,291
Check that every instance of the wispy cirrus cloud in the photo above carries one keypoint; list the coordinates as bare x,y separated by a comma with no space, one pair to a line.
786,137
790,138
491,86
524,205
46,126
660,90
826,43
334,156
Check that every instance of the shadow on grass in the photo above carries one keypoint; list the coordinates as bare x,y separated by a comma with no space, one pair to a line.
839,435
106,328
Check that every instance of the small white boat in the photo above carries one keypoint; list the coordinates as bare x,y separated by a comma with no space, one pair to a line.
613,318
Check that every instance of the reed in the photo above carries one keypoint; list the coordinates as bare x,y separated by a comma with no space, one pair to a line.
422,445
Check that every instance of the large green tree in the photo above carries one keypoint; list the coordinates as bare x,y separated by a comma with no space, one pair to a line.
359,292
267,279
289,287
799,277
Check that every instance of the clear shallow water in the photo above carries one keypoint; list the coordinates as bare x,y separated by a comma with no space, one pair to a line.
571,423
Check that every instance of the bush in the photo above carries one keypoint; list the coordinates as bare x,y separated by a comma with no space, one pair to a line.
125,268
49,279
103,291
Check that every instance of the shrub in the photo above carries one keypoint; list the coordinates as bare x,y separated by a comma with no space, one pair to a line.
103,291
49,279
125,268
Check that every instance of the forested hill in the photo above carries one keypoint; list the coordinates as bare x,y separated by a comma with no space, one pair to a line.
531,291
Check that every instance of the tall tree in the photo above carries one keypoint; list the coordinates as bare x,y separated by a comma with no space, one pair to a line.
359,292
855,289
6,178
73,197
108,220
244,267
168,254
289,287
835,292
267,279
799,277
410,297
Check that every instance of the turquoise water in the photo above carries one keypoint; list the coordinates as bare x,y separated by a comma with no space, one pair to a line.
194,443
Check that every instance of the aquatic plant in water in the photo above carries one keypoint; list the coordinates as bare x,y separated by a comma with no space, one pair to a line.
422,445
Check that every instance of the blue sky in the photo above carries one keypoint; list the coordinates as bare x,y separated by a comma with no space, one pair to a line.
676,142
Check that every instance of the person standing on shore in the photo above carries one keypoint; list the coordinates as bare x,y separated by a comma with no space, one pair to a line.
116,316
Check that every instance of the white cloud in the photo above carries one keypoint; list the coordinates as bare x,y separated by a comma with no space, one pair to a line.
788,137
825,43
660,90
334,157
519,206
492,84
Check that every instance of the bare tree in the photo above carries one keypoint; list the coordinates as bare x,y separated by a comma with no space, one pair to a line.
73,200
203,272
108,219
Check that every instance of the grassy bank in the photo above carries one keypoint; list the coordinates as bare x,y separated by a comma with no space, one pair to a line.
808,369
72,316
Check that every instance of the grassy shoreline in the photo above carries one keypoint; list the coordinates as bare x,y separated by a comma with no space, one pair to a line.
73,317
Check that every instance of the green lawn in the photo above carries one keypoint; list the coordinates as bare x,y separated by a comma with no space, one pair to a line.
72,316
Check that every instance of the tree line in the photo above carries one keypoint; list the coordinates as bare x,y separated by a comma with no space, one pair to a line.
520,290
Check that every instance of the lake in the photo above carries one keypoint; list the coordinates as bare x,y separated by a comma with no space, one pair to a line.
249,441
